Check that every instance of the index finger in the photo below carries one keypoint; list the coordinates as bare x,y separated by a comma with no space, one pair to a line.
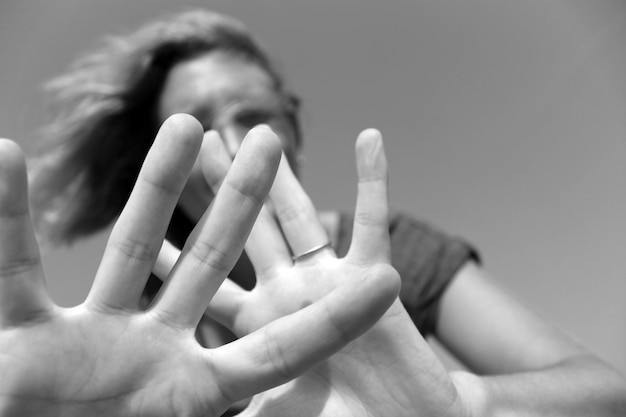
23,293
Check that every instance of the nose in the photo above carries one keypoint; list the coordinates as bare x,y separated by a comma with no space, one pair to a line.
232,135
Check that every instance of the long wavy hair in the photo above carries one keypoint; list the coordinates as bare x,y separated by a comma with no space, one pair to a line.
90,154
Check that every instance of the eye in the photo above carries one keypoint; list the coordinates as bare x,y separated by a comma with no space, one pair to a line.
252,117
206,122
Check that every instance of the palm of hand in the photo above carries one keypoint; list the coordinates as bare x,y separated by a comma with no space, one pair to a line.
383,356
284,290
376,374
105,357
117,361
373,375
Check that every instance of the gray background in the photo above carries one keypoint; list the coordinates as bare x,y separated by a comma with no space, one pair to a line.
505,123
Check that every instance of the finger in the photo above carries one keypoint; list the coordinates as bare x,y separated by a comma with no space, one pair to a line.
23,294
370,237
137,235
217,241
226,305
295,212
289,346
266,245
228,299
165,261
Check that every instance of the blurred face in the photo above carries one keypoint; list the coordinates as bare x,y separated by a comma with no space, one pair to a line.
227,93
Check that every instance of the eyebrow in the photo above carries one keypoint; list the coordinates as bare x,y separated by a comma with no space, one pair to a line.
267,102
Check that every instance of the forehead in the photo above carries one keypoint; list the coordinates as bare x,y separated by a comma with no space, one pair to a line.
209,82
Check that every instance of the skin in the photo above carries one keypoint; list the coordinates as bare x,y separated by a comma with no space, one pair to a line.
106,357
227,94
517,363
385,355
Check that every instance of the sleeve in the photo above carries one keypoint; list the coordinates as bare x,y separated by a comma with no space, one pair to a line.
427,260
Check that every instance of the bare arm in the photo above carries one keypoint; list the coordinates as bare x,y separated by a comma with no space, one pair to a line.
527,366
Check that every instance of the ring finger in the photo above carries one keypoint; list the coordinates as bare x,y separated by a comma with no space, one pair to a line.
296,214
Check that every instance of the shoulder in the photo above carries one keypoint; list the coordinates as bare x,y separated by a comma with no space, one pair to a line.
408,231
418,245
426,257
412,239
402,222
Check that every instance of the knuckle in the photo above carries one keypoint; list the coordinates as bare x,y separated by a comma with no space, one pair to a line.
165,186
248,192
344,332
18,267
211,257
290,213
368,218
276,356
136,249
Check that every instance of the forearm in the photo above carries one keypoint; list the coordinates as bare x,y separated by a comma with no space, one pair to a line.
581,386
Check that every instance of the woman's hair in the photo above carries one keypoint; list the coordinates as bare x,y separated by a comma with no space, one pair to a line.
89,156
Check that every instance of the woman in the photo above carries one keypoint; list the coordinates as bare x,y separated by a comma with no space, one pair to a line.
209,66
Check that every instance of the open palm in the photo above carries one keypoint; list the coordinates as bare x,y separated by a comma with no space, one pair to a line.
105,357
390,370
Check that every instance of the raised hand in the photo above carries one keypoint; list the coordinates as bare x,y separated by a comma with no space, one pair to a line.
105,357
390,370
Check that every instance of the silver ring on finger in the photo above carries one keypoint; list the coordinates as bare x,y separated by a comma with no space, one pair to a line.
310,252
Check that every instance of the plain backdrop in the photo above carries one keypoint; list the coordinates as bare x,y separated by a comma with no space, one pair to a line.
504,122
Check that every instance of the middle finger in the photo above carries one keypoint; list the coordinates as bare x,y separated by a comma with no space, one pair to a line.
266,246
217,241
